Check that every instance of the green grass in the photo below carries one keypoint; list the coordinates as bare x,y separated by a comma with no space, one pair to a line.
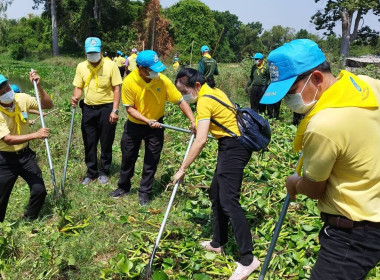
92,236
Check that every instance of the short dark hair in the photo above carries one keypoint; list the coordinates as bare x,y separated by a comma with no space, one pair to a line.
323,67
193,76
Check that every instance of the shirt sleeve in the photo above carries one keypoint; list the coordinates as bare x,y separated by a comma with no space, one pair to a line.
115,75
4,130
320,154
203,109
78,79
33,103
127,94
172,93
201,67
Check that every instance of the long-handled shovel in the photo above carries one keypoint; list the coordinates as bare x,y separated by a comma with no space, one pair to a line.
68,151
147,274
276,233
56,191
180,129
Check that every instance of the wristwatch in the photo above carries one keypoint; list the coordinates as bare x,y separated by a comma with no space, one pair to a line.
116,111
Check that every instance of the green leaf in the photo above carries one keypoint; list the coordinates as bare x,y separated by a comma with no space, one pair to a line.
210,256
71,260
201,277
307,227
159,275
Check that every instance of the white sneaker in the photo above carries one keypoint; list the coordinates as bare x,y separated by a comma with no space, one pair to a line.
242,272
207,246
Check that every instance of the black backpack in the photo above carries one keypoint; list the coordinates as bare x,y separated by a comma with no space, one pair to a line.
254,129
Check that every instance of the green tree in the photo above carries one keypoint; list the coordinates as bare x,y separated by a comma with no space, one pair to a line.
228,27
349,13
249,39
277,36
191,20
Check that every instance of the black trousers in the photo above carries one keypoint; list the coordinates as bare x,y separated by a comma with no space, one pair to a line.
346,253
225,195
130,146
274,110
96,126
257,93
21,164
122,70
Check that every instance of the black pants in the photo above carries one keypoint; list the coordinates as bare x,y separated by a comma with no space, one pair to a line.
122,70
96,126
257,93
274,110
130,146
225,195
346,253
21,164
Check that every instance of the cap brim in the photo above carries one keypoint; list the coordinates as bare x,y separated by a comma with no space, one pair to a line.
158,67
92,49
277,90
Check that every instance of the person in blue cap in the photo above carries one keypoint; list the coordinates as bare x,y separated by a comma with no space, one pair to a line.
100,81
120,62
16,158
207,66
260,79
144,93
339,137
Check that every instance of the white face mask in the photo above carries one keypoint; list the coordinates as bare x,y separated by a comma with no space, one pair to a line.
257,62
295,102
93,57
8,97
152,75
189,98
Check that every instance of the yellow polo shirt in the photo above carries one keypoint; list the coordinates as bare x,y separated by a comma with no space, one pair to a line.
108,76
148,98
120,61
8,124
132,65
342,146
208,108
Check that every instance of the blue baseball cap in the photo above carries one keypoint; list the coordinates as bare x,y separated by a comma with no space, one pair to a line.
150,59
15,88
92,44
258,56
3,79
205,48
286,63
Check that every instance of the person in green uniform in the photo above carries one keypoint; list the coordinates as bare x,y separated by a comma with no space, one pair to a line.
260,79
207,66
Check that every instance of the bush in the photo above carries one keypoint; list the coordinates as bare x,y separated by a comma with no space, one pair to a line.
17,51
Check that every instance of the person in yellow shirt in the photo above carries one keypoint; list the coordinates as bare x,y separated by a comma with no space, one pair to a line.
16,158
100,80
228,176
130,62
120,62
105,56
144,93
176,63
339,137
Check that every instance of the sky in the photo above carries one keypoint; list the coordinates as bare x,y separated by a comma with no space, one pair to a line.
287,13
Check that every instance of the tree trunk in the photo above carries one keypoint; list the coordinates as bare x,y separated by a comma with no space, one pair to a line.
346,28
54,28
96,11
153,30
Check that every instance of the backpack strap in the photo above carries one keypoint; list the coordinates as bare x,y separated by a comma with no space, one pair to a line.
218,123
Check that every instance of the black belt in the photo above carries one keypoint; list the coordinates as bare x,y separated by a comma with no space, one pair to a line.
343,222
19,152
96,107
